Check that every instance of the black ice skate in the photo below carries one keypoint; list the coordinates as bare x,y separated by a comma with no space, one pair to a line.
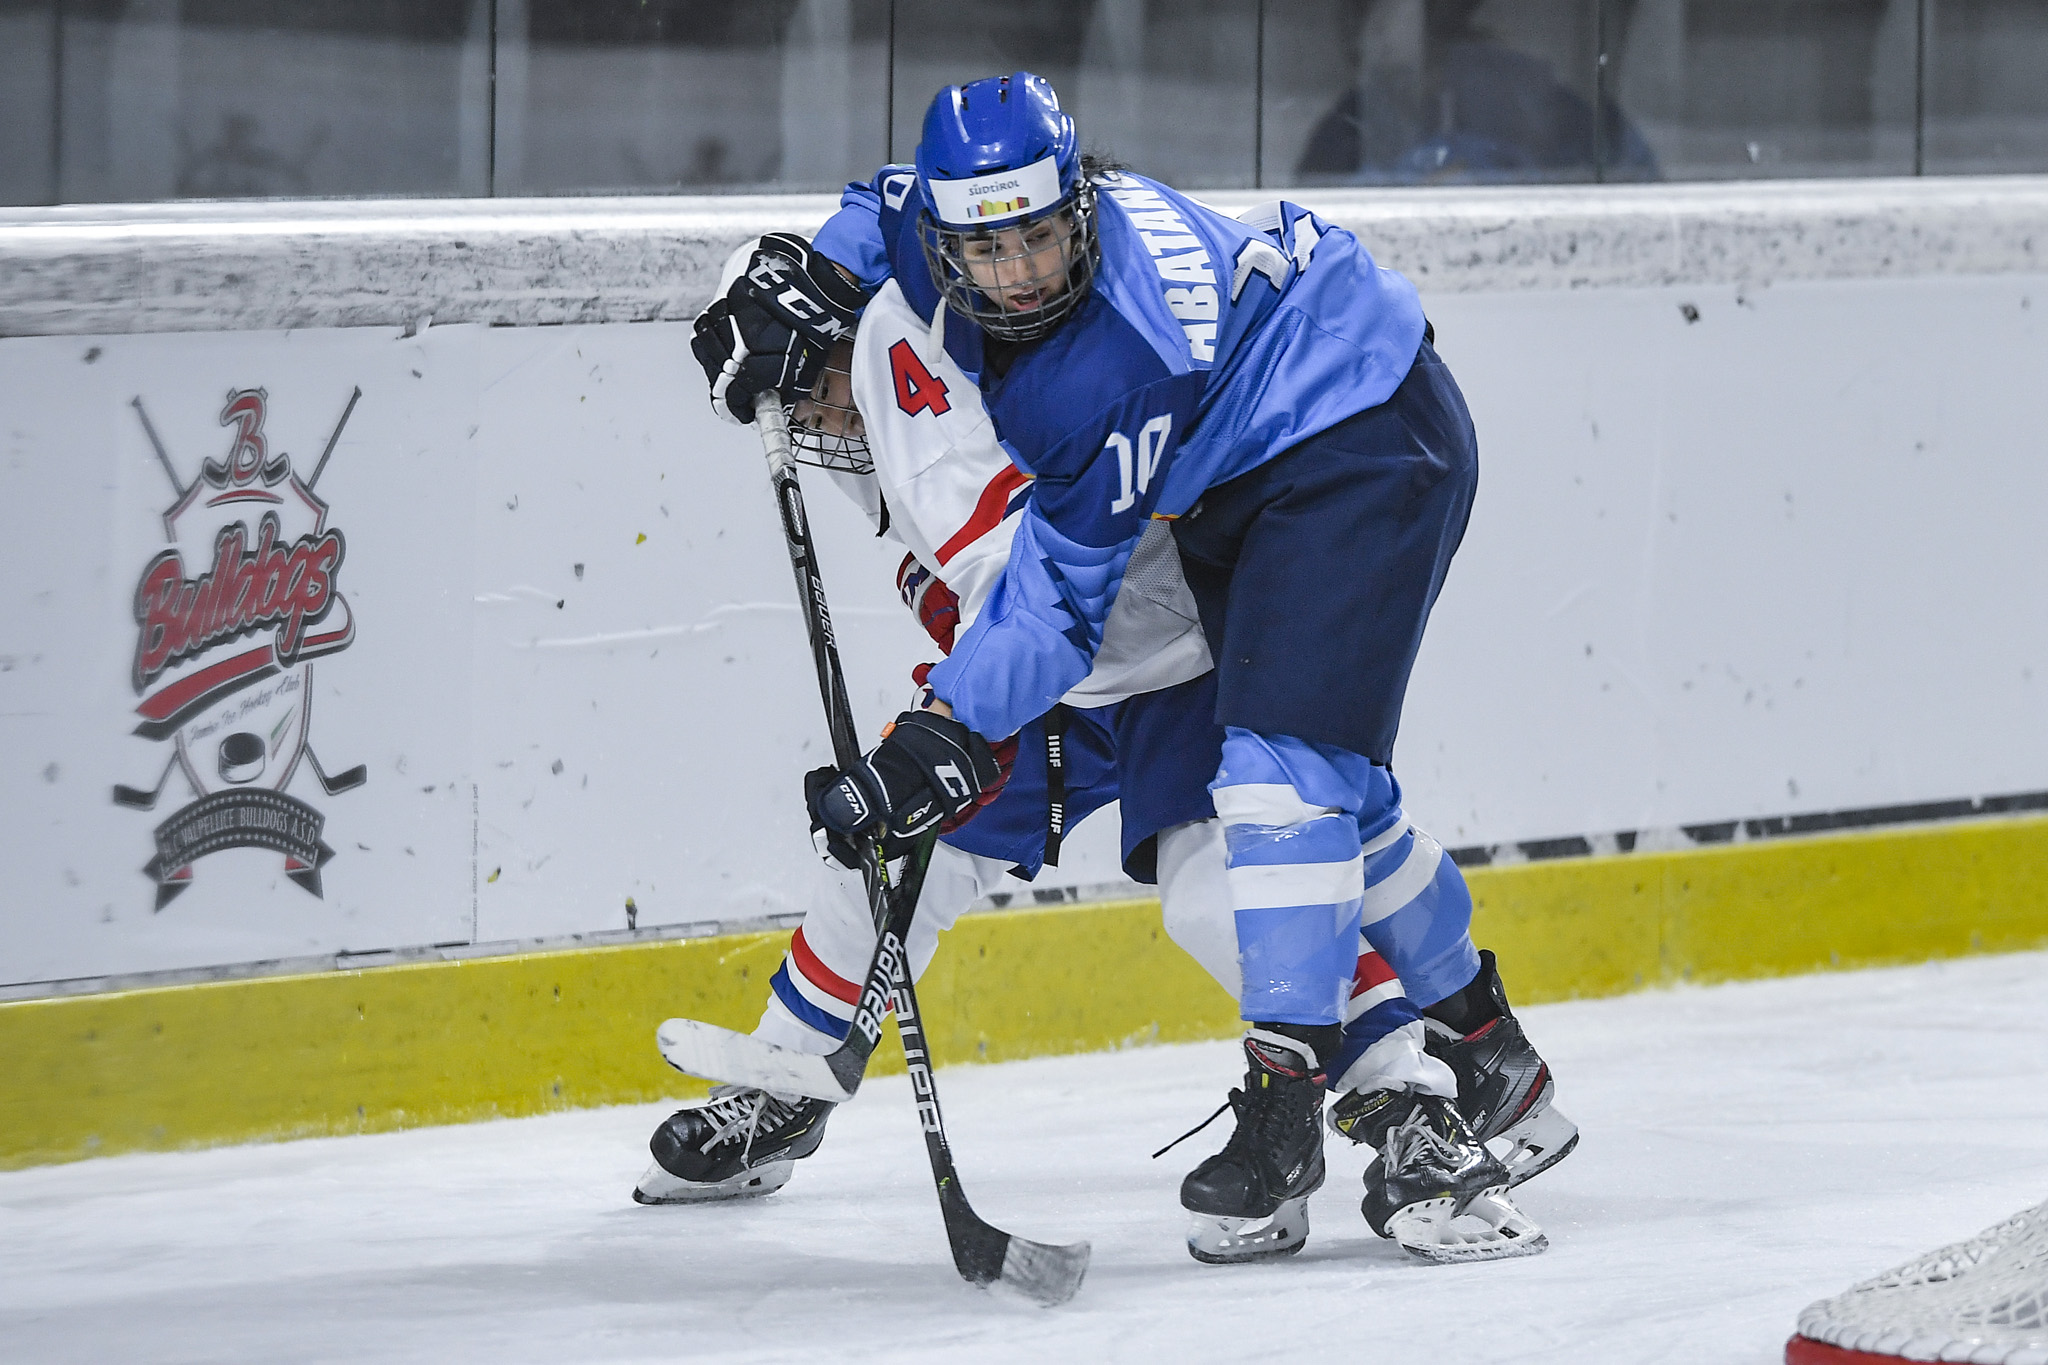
1250,1200
1504,1088
1436,1189
741,1145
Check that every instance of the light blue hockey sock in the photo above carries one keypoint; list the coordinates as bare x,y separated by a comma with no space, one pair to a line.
1295,876
1417,914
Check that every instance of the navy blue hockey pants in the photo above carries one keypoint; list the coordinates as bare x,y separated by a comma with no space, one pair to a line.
1315,574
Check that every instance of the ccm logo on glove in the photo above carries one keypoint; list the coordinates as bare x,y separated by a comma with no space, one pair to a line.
775,325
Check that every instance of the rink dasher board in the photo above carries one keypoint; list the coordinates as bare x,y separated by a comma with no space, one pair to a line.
570,644
1739,552
1754,540
91,269
395,1047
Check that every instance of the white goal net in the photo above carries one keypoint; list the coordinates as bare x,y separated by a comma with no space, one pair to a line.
1984,1301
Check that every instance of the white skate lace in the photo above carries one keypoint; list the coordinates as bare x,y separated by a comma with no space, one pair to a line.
739,1111
1412,1134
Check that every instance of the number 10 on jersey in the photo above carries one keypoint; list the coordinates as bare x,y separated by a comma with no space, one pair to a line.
1136,467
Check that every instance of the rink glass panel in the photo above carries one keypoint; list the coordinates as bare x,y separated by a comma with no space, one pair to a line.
228,99
1420,92
1170,89
1987,86
690,95
145,100
28,102
1738,89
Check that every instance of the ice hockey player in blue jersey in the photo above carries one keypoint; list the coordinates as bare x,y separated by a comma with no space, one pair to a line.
1273,394
1139,730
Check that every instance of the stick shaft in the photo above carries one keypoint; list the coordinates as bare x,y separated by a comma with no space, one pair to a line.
810,584
981,1253
978,1258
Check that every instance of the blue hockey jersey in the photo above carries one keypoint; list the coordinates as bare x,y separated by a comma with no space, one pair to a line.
1207,345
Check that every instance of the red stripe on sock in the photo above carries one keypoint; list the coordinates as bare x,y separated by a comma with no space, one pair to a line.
818,974
1372,971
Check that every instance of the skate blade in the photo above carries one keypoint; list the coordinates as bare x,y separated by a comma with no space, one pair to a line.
1535,1144
1216,1240
659,1187
1488,1228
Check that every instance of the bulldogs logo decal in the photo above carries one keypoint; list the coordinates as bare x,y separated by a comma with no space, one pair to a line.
229,618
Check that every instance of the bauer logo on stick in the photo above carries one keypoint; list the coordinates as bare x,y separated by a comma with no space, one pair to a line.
229,617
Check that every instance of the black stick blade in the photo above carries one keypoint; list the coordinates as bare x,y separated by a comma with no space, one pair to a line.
988,1256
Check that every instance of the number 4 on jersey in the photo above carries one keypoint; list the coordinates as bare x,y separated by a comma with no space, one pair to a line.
917,388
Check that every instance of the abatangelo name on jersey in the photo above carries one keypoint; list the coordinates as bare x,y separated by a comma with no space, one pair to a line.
1182,261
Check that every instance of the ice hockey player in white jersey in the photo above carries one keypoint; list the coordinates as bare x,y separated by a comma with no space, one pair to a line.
1273,395
943,485
939,482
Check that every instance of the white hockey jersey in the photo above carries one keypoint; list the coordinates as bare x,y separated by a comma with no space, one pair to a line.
953,499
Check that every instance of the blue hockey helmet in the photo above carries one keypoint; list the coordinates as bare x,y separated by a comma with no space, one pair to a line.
1008,222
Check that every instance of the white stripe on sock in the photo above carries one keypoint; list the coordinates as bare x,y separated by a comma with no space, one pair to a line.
814,993
1365,1000
1386,838
1408,881
1265,803
1257,886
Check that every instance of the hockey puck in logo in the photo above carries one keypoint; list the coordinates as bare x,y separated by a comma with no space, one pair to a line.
241,757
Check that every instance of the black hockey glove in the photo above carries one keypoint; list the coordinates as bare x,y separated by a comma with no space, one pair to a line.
774,326
928,768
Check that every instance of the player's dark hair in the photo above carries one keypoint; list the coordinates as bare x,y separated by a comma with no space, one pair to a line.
1096,164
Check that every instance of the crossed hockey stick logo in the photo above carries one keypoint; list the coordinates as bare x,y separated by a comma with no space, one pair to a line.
225,646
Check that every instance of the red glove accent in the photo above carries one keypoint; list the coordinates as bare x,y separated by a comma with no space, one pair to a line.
936,605
1006,759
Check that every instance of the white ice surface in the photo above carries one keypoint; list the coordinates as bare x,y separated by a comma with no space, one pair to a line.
1747,1149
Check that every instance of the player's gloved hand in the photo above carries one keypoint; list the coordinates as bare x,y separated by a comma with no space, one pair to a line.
775,325
937,606
1005,752
928,769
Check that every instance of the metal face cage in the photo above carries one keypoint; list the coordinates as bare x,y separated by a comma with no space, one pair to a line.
1019,281
825,428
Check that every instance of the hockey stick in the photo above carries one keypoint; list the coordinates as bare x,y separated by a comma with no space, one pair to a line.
983,1254
700,1049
